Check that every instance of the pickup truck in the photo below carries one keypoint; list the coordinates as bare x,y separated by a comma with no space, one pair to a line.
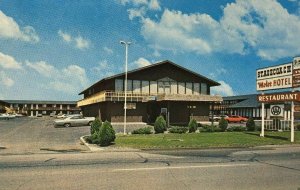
76,120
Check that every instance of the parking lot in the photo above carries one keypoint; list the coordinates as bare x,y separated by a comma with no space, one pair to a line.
37,135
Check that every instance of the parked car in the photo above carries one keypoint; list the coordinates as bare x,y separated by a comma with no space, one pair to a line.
76,120
217,117
52,114
39,115
7,116
236,118
61,116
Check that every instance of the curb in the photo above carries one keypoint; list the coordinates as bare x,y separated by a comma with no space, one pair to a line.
92,147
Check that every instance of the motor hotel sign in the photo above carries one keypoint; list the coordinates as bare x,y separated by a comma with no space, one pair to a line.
275,77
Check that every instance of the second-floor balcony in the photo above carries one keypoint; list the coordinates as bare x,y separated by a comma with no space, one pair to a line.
145,97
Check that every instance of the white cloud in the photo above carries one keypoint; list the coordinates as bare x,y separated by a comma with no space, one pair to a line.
137,13
102,67
11,30
70,79
141,62
79,42
6,80
217,72
154,5
141,7
108,50
65,36
42,68
260,26
9,62
82,43
224,89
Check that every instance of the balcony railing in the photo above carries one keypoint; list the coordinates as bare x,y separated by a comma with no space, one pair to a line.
50,108
145,97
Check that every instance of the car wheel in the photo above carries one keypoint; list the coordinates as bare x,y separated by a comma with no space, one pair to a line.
67,125
90,123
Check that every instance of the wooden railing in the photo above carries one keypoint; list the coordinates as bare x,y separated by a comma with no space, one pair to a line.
145,97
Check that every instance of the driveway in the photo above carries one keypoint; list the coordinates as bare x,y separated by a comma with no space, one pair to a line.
36,135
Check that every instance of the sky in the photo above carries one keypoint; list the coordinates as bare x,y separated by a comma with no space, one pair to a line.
52,50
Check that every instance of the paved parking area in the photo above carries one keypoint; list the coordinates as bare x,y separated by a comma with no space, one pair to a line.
37,135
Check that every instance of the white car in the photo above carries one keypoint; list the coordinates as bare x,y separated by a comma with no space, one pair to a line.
76,120
7,116
61,116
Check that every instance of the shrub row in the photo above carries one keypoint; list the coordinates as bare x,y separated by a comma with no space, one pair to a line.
210,128
145,130
179,130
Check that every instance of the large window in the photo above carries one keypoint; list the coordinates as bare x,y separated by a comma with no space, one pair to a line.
119,85
203,88
197,88
153,87
137,86
145,86
181,88
189,88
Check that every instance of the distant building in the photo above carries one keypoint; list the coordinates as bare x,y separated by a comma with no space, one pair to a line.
248,106
34,107
163,88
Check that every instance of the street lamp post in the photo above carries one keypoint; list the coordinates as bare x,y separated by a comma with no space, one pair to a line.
125,82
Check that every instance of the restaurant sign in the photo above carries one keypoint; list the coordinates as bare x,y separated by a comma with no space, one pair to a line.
279,97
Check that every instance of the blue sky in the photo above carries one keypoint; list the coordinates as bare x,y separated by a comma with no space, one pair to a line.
52,50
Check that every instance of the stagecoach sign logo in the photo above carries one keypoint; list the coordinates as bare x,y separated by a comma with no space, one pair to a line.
276,110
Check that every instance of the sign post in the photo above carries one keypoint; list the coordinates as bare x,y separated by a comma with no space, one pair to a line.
279,77
262,134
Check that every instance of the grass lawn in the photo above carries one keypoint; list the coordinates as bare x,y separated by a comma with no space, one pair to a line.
205,140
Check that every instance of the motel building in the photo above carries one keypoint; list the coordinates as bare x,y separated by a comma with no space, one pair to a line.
163,88
249,106
44,107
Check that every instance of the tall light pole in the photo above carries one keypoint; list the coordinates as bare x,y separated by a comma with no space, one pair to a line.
125,82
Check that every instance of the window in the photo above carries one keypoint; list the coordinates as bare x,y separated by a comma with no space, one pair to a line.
129,85
136,86
145,86
197,88
153,87
189,88
119,85
203,88
181,88
173,87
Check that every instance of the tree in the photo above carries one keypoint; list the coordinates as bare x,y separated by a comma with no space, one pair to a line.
96,124
250,125
223,124
193,125
160,125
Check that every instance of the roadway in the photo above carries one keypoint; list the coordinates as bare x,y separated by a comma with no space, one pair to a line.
35,155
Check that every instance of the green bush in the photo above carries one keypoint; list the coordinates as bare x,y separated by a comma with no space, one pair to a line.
236,128
160,125
106,134
250,125
177,129
145,130
210,128
223,124
93,139
193,125
95,127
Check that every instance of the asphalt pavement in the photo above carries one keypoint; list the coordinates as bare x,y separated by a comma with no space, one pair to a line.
29,135
35,155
